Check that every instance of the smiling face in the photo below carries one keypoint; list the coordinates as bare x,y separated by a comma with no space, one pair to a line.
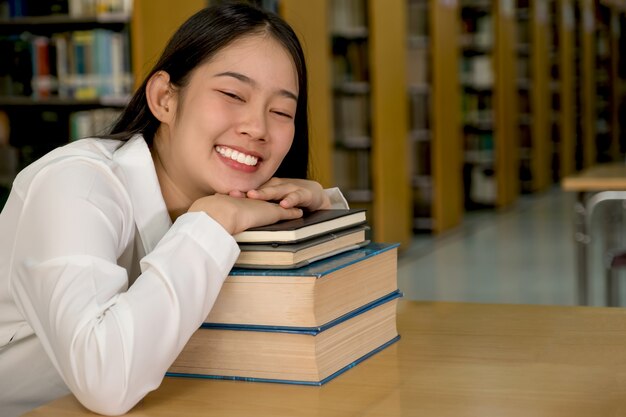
234,121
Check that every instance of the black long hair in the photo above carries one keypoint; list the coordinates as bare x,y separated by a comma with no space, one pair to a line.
198,40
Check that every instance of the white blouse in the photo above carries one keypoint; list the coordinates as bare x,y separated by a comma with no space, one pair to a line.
99,291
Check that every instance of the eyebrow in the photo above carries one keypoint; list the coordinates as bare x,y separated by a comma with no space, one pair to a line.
250,81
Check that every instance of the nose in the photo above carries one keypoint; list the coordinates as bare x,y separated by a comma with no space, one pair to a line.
253,123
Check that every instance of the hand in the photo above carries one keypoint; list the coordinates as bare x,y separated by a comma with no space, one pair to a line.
291,193
238,214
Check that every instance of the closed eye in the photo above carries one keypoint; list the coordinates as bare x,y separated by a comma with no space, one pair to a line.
232,95
282,114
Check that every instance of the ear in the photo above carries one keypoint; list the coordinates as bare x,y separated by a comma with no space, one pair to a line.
161,97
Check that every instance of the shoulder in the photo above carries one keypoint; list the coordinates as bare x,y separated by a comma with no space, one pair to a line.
78,186
74,166
93,150
77,178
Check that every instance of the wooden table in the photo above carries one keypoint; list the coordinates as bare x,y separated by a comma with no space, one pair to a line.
593,186
454,359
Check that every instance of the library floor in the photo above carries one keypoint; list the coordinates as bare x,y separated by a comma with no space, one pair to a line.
524,254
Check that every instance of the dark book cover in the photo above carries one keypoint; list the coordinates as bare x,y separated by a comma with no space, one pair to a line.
319,247
311,224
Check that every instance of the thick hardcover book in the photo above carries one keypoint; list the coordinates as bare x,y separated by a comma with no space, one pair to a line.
311,224
297,255
290,355
309,296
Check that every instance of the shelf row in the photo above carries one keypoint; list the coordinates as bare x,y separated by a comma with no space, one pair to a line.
431,107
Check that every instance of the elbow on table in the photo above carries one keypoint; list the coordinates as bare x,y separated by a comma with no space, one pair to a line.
110,403
113,395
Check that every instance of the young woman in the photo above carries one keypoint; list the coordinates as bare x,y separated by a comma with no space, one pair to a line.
113,250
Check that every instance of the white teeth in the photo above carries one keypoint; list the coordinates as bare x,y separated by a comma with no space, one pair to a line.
240,157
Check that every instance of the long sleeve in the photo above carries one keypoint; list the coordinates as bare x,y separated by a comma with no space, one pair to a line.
110,343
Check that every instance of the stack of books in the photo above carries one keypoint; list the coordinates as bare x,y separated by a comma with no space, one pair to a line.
279,321
296,243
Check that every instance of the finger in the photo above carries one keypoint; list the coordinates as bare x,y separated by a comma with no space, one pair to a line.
256,194
274,181
299,197
282,213
293,213
237,194
270,193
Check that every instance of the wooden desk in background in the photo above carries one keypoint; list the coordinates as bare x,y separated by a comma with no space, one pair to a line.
593,186
454,359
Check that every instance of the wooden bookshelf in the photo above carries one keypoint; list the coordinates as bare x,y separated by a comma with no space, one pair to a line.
586,27
435,141
421,141
505,105
310,21
359,113
447,153
554,132
490,103
539,96
526,90
389,115
617,95
612,17
619,112
604,80
42,120
389,121
153,23
564,28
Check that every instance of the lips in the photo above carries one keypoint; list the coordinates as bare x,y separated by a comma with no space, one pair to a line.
235,155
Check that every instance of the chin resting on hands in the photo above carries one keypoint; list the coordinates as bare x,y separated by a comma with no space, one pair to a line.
290,192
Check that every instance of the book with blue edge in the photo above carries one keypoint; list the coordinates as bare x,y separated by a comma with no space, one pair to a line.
308,296
301,326
286,354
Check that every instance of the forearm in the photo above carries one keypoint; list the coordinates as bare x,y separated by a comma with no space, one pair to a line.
113,346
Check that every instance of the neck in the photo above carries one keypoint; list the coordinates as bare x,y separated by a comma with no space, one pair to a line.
176,201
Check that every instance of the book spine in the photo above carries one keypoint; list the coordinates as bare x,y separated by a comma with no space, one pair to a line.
17,8
42,78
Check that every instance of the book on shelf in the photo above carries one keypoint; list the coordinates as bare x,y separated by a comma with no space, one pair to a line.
90,8
288,355
347,14
9,155
311,224
75,8
16,73
297,255
298,326
43,81
98,64
86,123
352,171
352,116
